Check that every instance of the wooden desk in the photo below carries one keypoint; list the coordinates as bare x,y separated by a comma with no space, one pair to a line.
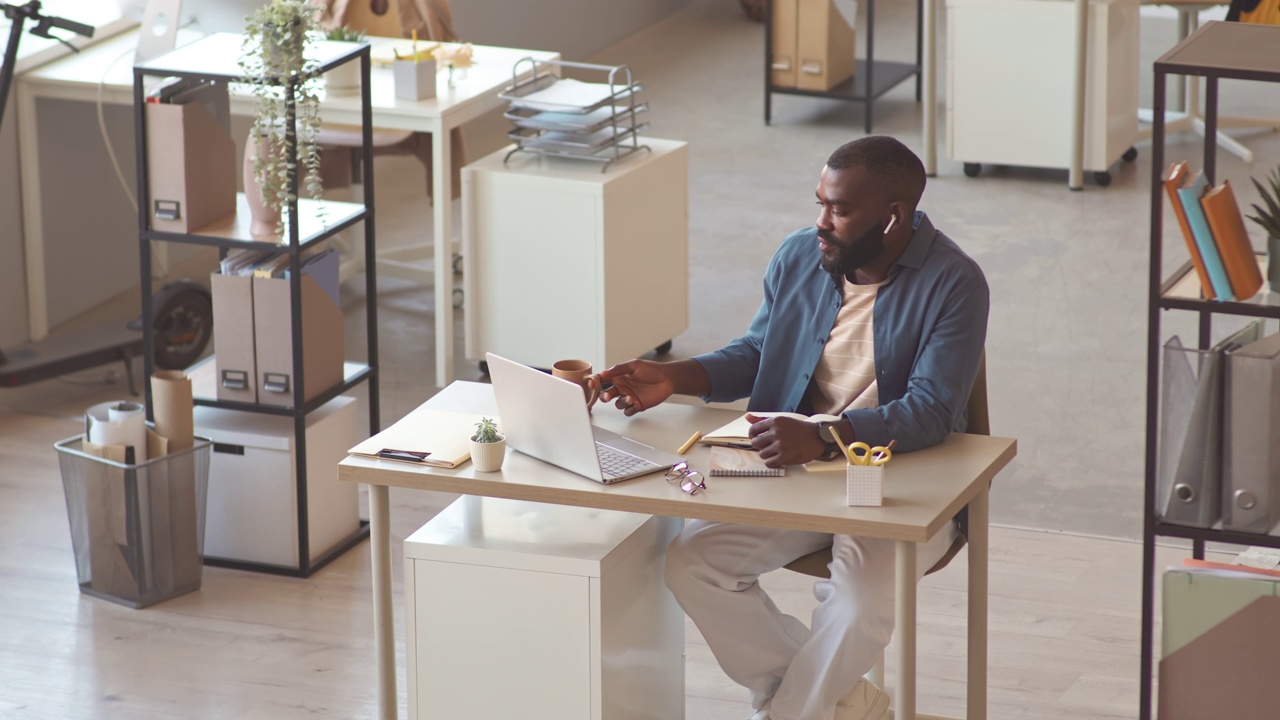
77,78
923,491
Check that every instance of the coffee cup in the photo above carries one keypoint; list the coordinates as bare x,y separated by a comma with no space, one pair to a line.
579,371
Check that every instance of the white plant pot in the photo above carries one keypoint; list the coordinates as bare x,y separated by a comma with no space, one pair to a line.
488,456
343,80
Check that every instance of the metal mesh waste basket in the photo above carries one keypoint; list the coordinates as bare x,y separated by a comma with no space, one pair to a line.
137,530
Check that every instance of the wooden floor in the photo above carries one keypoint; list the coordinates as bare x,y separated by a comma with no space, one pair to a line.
1064,624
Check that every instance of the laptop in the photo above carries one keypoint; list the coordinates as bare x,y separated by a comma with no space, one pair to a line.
545,417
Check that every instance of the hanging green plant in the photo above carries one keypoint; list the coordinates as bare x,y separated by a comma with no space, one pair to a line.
273,58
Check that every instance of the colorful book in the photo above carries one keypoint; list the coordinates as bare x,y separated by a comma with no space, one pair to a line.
1173,179
1189,194
1227,225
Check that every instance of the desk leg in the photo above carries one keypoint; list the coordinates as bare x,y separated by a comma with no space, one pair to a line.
384,637
442,192
32,219
929,106
905,693
977,694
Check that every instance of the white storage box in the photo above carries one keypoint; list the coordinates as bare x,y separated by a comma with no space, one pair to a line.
1010,82
541,612
252,513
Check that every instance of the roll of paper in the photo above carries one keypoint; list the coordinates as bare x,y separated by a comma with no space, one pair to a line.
118,423
171,399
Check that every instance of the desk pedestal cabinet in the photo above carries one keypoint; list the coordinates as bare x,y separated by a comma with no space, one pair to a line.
566,261
541,612
1009,77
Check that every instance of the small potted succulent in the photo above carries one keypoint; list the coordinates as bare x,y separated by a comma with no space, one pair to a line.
344,79
1269,219
488,446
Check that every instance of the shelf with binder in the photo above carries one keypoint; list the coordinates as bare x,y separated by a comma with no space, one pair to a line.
573,119
870,78
299,308
1218,50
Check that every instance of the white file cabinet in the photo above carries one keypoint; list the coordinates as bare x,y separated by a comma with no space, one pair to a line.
251,510
541,612
563,260
1010,74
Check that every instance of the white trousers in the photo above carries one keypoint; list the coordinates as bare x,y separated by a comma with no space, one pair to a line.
713,571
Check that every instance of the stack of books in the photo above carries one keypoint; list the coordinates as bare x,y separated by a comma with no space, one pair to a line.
1214,230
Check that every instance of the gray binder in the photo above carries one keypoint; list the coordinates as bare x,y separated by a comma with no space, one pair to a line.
1189,465
1251,444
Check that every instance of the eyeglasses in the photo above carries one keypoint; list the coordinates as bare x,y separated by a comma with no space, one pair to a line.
690,480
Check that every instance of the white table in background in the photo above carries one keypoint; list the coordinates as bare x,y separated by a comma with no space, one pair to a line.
109,63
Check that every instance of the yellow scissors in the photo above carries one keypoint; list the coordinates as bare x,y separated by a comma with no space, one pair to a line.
877,455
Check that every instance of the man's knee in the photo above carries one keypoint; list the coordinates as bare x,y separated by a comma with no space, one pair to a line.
676,570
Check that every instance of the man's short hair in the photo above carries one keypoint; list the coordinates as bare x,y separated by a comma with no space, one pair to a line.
888,163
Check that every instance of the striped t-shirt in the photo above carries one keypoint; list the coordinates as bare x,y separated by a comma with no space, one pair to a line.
846,374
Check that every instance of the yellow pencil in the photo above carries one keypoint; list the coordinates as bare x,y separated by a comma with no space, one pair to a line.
847,454
689,443
415,46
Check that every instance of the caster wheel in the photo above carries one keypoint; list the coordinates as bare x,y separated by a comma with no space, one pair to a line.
1102,178
664,348
458,297
972,169
457,264
183,325
484,368
1130,155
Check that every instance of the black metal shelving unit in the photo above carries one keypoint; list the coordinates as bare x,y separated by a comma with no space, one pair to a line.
1216,51
217,62
871,78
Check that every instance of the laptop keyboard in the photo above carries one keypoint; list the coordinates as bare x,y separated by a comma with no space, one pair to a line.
615,464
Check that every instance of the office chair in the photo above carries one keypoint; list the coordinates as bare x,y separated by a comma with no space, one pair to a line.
816,563
340,144
1188,117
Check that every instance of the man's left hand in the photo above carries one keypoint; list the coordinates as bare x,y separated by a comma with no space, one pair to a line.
784,441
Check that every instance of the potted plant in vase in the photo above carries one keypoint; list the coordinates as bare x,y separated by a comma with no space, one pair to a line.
344,79
274,61
488,447
1269,219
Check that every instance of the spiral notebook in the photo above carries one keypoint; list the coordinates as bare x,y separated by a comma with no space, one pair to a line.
732,462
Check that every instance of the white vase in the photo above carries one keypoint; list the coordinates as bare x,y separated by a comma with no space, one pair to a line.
488,456
265,219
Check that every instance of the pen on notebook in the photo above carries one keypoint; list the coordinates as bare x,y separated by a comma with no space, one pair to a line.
415,47
689,443
836,434
888,447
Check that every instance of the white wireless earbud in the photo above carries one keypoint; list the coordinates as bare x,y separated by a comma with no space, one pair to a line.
892,220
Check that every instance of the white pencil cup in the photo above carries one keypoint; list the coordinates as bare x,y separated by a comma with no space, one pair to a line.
415,80
866,485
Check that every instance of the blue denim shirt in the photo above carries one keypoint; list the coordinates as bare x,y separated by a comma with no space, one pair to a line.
930,325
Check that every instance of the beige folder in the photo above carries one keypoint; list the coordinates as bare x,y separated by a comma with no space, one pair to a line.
191,167
824,45
322,340
783,27
234,361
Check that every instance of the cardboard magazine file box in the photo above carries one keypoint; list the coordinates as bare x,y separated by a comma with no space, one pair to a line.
813,45
322,340
191,161
252,513
235,362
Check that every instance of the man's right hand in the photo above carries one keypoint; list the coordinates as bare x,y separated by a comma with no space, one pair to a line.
638,385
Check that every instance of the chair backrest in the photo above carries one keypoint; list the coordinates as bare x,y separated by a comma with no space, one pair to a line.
816,563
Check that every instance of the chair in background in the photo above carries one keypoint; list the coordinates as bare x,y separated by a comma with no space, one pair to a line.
816,563
1186,98
340,144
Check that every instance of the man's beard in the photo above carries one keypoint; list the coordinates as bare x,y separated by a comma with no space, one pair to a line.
853,256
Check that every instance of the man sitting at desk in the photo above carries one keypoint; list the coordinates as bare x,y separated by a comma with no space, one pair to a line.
873,315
